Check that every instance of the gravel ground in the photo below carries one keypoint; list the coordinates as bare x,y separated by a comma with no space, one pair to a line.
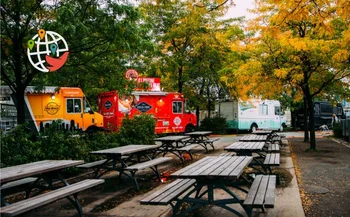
324,176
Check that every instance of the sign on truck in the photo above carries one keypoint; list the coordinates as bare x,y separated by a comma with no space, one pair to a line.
167,108
252,114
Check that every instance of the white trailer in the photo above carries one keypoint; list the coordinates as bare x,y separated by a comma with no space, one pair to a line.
252,114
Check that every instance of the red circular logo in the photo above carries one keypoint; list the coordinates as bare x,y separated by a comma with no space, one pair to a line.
131,74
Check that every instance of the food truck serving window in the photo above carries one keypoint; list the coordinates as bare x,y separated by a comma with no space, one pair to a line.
73,105
177,107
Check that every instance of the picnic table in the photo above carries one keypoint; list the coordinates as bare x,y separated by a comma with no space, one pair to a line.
175,145
264,158
201,138
196,184
211,173
272,136
40,175
254,138
127,158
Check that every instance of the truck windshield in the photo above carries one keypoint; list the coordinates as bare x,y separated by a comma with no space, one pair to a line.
87,107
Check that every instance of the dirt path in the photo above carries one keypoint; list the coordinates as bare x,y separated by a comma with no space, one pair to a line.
324,177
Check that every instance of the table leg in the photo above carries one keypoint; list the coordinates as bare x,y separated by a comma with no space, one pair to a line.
198,201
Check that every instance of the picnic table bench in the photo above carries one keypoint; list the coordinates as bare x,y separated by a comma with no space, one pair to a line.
131,158
209,173
43,199
175,145
264,159
45,172
202,138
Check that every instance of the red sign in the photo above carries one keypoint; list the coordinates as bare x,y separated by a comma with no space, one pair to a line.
131,74
153,82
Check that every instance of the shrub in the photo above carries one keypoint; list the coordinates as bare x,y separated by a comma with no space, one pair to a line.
22,146
217,125
137,130
337,130
19,146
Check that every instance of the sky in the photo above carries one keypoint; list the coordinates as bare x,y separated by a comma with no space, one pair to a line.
241,9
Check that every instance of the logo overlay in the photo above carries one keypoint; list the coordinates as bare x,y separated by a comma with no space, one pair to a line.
47,51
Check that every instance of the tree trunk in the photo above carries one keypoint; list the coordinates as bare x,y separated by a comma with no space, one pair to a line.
197,114
312,123
306,122
179,82
209,110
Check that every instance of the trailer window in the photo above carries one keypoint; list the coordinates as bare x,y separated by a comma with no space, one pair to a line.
73,105
263,109
177,107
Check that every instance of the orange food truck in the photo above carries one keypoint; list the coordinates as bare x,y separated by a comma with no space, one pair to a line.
167,108
65,103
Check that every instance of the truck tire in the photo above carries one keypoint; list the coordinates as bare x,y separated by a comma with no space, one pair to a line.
281,128
253,128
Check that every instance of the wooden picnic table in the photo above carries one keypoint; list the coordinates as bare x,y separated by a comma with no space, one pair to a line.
123,155
169,141
261,151
201,138
172,144
43,172
212,172
199,135
36,169
254,138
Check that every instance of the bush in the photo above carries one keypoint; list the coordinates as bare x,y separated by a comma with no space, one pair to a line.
337,130
217,125
19,147
137,130
22,146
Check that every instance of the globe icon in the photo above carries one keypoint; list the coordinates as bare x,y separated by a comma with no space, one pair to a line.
47,51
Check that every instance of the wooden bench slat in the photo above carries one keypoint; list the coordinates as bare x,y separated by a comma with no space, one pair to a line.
262,192
270,192
272,159
177,192
260,195
148,199
187,147
43,199
92,164
253,188
165,195
18,183
149,163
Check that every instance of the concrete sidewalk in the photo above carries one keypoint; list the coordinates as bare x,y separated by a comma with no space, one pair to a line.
288,202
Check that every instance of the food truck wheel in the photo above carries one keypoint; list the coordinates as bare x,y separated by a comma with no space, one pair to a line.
253,127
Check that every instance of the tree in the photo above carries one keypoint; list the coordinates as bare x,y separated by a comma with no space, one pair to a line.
103,40
302,46
17,20
191,47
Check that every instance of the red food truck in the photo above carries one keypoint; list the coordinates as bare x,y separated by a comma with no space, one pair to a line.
168,109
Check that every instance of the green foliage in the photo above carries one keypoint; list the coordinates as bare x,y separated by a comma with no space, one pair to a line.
337,130
18,148
137,130
217,125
